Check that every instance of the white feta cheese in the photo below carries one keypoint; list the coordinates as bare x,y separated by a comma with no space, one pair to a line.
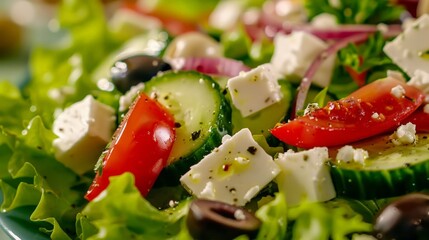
311,107
254,90
305,176
349,154
426,108
83,130
290,12
420,80
324,21
408,50
127,99
226,14
224,176
405,134
396,75
294,53
398,91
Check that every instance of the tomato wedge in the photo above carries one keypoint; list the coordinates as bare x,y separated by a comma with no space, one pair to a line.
420,118
141,145
370,110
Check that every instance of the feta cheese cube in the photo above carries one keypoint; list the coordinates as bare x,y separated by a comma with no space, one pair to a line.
408,50
83,130
226,14
254,90
294,53
420,80
349,154
324,21
396,75
398,91
305,176
233,173
405,134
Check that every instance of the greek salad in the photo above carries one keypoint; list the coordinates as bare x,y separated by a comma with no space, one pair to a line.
234,119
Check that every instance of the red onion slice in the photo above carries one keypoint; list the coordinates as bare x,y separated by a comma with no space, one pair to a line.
271,26
216,66
311,71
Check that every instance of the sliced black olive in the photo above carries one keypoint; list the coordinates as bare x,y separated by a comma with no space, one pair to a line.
133,70
405,218
216,220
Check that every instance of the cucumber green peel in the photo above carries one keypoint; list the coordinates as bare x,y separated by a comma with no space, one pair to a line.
202,115
389,170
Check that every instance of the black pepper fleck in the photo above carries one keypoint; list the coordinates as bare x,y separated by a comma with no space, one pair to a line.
195,135
252,150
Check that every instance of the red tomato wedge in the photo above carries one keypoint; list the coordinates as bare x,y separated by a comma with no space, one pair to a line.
141,145
420,118
370,110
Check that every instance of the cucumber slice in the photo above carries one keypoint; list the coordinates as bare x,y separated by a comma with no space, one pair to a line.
202,115
389,171
262,121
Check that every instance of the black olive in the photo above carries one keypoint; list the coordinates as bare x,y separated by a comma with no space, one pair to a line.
133,70
209,219
404,218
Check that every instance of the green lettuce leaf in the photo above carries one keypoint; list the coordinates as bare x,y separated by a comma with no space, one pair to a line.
319,221
15,111
122,213
38,179
274,219
356,11
366,57
61,74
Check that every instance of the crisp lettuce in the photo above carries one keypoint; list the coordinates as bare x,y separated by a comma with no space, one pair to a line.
356,12
61,74
37,179
122,213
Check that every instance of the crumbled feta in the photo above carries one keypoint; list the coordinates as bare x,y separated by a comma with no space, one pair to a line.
426,108
405,134
349,154
254,90
224,176
226,14
83,130
294,53
305,175
408,50
398,91
290,12
396,75
127,99
239,215
324,21
311,107
420,80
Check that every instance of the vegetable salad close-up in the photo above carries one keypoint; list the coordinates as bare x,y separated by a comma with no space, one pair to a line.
215,119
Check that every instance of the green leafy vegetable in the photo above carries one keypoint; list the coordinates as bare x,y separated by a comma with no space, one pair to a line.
122,213
325,221
367,58
274,218
37,179
356,11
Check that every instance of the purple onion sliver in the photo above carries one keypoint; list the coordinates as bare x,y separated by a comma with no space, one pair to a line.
315,65
217,66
